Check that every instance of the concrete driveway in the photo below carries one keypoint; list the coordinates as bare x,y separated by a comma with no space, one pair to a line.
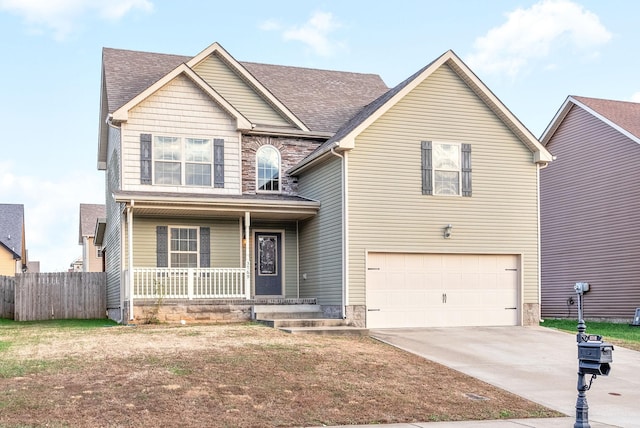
533,362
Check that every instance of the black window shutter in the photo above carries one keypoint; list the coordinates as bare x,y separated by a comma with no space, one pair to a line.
218,162
162,242
427,184
466,170
145,158
205,251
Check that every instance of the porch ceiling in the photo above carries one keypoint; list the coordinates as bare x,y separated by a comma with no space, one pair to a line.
270,207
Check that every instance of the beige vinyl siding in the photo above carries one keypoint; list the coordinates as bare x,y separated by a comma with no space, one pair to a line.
321,236
7,263
93,262
590,217
389,213
225,238
290,253
113,232
238,92
180,109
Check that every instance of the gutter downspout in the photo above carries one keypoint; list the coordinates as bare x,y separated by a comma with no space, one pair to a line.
345,230
538,168
130,255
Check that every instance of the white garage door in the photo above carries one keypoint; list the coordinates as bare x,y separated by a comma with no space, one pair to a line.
442,290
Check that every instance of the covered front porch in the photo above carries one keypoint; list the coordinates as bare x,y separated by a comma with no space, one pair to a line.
207,253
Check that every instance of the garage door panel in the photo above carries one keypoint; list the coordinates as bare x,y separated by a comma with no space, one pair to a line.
437,290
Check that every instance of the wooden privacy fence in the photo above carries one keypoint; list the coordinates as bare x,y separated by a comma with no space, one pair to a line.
7,296
67,295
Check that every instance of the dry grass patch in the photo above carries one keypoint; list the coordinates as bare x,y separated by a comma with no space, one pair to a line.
230,376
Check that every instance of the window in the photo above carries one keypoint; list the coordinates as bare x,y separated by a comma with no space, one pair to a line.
446,169
182,161
268,169
183,247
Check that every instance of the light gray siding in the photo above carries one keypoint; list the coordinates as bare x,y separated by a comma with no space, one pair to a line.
235,90
321,237
180,109
388,212
113,228
590,217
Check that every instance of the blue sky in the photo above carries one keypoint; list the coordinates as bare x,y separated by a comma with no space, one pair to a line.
531,54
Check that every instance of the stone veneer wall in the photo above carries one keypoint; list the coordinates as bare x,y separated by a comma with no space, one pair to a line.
292,151
531,314
191,311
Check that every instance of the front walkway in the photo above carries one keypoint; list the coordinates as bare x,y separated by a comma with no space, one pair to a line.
533,362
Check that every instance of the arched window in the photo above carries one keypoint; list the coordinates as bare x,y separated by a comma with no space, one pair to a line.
268,169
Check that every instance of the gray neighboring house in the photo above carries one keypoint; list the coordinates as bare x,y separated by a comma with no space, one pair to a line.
91,215
240,183
590,209
13,251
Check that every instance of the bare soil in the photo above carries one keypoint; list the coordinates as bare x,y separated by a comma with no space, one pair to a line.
229,376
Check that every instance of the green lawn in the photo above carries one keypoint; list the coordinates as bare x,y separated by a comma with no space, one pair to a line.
91,323
621,334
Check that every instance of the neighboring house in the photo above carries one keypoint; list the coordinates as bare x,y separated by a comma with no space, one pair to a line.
90,216
76,265
241,182
590,209
13,250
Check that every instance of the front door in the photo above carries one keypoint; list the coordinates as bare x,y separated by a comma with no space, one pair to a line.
268,257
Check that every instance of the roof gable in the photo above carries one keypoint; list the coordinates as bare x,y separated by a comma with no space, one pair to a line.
122,114
624,116
89,214
345,137
241,71
12,228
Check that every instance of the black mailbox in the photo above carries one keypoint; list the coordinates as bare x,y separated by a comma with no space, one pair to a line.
595,357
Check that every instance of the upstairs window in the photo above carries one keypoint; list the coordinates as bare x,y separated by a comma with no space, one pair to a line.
180,161
446,169
268,169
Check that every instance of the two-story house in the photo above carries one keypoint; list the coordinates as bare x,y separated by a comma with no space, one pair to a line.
237,183
90,216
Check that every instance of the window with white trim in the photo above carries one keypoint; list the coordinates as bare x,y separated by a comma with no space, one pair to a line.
446,168
268,169
182,161
183,247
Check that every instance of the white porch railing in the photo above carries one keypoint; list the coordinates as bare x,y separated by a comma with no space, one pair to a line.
189,283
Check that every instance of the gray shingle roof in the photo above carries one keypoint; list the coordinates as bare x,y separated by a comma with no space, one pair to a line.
89,213
11,227
623,113
324,100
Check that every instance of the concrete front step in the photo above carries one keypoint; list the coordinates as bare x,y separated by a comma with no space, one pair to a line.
343,330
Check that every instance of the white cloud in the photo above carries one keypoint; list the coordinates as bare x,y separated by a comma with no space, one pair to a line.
636,97
270,25
60,16
315,33
532,35
51,212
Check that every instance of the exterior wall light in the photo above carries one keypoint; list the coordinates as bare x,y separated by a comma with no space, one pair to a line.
447,231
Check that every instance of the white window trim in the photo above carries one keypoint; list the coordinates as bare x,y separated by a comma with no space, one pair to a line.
183,162
170,252
458,170
279,170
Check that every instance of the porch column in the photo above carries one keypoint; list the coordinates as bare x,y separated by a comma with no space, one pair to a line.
130,263
247,261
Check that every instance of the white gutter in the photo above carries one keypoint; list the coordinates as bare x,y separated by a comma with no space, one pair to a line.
538,168
345,230
130,255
